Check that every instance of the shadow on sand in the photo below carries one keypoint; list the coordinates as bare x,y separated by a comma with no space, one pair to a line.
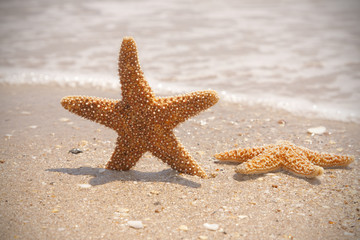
242,177
102,176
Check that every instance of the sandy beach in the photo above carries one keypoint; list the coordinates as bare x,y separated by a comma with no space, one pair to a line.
279,67
48,193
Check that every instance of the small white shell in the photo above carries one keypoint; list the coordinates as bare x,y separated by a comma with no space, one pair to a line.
212,227
136,224
317,130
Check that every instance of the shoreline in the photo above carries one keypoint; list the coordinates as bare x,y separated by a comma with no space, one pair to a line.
42,194
108,83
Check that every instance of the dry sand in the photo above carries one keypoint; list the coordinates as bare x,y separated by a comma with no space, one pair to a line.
48,193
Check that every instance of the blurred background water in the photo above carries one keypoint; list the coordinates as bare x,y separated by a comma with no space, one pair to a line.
303,56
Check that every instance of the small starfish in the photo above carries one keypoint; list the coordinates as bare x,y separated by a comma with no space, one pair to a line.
299,160
144,123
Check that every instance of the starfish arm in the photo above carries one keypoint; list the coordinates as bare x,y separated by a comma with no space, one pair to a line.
134,87
170,151
295,161
327,159
265,162
99,110
125,156
180,108
240,155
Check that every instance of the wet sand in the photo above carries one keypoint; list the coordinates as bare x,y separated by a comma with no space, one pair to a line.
48,193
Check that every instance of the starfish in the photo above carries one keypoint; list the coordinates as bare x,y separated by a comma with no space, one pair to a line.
143,122
298,160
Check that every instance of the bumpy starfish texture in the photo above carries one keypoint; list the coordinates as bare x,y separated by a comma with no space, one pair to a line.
144,123
298,160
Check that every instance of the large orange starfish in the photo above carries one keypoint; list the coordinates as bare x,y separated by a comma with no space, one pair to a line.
143,122
299,160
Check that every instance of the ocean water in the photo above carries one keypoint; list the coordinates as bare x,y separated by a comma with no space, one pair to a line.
302,56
